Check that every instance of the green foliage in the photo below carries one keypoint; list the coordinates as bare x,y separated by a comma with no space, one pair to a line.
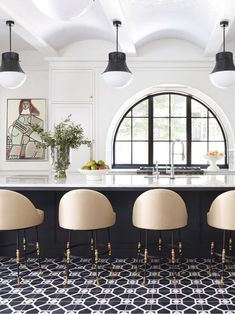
66,134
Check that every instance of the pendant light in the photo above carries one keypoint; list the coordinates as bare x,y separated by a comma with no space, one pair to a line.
223,74
63,9
11,74
117,73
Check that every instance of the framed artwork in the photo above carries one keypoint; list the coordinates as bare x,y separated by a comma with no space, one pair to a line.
21,140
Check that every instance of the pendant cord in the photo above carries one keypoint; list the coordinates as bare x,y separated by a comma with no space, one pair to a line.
223,37
117,37
10,36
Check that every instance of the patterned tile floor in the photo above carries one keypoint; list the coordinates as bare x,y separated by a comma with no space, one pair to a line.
194,292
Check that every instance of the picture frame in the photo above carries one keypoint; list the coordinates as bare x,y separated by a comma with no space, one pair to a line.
21,141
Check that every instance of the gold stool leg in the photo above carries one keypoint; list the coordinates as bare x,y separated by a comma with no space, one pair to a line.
138,254
25,248
92,249
211,256
18,258
173,258
68,258
230,248
180,251
96,260
110,254
145,257
223,259
160,247
230,244
38,251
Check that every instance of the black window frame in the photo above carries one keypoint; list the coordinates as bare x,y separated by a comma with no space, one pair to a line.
189,141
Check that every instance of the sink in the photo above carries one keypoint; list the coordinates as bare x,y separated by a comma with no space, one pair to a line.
186,171
178,176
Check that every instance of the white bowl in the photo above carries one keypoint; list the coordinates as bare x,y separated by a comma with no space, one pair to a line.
94,174
213,160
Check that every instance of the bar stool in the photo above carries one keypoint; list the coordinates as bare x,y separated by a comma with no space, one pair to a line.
159,210
221,215
86,210
17,213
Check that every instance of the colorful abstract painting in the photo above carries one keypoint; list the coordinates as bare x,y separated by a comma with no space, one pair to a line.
21,141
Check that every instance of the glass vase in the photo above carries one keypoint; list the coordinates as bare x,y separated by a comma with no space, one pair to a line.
60,157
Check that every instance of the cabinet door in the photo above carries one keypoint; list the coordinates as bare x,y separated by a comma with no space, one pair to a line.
72,86
82,114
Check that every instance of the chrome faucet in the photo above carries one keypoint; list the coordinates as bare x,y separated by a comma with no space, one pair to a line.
172,173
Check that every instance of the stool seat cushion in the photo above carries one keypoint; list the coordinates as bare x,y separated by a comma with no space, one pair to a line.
18,212
159,209
222,211
85,210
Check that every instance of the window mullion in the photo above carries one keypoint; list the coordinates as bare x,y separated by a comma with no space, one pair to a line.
189,130
150,131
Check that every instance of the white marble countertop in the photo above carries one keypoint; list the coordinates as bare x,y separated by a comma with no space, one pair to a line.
46,181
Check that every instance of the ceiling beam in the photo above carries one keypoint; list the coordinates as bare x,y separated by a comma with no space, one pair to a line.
24,30
113,11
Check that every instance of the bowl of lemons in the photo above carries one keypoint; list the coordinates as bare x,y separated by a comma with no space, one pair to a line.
94,170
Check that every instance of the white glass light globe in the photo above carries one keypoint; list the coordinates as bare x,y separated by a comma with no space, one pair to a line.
117,78
11,79
63,9
223,79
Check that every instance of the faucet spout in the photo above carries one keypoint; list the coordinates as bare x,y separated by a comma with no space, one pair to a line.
172,173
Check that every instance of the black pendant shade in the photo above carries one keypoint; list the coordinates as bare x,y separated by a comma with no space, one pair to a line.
10,62
224,62
117,72
11,74
117,62
223,74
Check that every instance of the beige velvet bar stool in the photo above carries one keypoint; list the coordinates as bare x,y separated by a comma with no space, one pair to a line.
159,210
221,215
86,210
17,213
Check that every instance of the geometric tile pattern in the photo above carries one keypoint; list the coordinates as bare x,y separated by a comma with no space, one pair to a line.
194,292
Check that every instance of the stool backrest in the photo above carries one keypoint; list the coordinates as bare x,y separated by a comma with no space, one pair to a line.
85,210
159,209
222,211
16,211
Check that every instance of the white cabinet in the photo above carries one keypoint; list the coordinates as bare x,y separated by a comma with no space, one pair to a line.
72,91
70,85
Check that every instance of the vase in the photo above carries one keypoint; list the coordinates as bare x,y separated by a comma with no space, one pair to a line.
60,157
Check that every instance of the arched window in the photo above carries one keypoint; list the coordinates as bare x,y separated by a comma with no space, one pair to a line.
147,130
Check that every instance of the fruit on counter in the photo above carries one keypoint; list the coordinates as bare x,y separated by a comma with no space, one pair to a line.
93,165
90,163
215,153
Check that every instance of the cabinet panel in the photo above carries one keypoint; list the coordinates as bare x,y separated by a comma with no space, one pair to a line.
82,114
72,85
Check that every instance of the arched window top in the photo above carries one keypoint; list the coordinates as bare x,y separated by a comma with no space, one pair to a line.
147,130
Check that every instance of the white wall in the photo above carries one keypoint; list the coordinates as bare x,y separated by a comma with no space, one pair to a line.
36,86
95,104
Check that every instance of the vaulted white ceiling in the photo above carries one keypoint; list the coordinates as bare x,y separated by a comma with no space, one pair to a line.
143,21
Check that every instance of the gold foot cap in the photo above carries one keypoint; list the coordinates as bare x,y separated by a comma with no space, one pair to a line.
144,281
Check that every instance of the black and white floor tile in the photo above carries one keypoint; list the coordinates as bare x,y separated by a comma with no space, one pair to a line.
194,292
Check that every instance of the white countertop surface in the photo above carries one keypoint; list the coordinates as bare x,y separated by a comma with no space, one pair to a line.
45,180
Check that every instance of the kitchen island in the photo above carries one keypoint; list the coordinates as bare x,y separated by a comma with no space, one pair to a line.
198,191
